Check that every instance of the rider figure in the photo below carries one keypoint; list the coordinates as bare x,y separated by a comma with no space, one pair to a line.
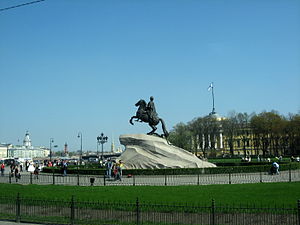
151,111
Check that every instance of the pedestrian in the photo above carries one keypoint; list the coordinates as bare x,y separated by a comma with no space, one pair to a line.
2,169
27,164
121,165
31,168
21,167
36,172
65,167
109,166
17,174
118,171
12,168
275,167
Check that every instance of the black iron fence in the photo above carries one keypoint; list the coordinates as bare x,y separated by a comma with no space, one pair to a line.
74,212
158,180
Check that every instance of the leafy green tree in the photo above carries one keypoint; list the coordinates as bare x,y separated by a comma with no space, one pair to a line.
181,136
229,126
293,133
58,153
268,128
197,131
243,126
271,133
211,128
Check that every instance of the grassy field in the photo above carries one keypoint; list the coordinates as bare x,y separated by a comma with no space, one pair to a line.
264,194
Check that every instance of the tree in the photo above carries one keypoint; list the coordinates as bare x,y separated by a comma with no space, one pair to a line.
243,129
229,126
293,133
268,128
211,127
181,136
195,127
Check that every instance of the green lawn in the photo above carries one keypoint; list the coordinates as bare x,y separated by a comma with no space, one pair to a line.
260,194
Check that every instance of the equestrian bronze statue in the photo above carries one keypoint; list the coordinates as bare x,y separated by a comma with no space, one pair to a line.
147,113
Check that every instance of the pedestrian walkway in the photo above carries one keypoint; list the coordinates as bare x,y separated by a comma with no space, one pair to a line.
154,180
14,223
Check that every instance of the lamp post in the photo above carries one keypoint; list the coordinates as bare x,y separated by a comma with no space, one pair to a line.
51,141
80,136
97,147
102,140
55,146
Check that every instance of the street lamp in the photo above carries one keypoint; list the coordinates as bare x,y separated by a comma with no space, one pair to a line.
80,136
102,140
97,147
55,146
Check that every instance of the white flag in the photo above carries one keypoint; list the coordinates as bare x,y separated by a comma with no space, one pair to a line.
210,86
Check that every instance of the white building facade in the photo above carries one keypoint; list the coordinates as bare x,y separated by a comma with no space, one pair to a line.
27,150
3,150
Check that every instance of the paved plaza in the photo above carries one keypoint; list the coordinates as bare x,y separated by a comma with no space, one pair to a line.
155,180
14,223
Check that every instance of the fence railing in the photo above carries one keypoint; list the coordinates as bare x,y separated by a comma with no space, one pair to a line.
158,180
73,212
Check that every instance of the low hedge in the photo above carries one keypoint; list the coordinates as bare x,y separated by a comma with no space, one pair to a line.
179,171
221,164
75,170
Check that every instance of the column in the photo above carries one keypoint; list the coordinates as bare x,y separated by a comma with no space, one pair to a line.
221,140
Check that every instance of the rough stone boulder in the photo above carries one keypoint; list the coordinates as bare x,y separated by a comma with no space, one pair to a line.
148,152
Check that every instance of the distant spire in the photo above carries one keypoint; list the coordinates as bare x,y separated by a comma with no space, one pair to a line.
66,149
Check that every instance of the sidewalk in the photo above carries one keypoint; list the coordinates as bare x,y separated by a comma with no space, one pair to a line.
14,223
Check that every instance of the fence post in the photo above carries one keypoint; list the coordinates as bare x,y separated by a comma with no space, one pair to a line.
290,173
78,178
133,178
298,211
18,208
198,179
229,177
165,178
213,211
72,210
9,178
30,178
53,177
137,212
260,177
104,180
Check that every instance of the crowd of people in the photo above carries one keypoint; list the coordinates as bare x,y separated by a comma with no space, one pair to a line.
16,167
114,169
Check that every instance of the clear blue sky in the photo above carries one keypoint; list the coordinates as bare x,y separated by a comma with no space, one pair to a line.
74,65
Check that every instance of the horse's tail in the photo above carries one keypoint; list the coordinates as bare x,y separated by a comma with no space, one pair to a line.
166,133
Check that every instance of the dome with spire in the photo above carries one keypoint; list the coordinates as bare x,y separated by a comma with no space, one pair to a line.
27,140
27,151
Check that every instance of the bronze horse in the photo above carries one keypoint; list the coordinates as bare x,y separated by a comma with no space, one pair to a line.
142,115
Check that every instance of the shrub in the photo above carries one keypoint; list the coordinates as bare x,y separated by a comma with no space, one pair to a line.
234,168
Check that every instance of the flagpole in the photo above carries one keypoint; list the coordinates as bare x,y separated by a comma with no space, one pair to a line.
213,97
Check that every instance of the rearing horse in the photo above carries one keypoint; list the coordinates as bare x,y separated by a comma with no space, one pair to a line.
142,115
